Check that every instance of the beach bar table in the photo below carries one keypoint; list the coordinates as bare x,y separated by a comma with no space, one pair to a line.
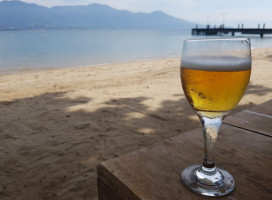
153,172
257,119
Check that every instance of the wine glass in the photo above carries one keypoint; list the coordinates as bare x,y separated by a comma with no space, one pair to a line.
214,75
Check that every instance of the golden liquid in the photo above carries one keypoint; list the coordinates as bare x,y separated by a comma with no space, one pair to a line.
214,91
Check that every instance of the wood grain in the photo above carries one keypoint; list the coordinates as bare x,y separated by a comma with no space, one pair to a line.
154,172
257,119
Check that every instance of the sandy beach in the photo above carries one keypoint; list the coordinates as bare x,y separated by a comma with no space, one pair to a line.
56,125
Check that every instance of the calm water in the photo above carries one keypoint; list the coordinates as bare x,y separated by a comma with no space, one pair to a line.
66,48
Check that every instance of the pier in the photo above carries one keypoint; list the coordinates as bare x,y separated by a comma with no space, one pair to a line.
222,30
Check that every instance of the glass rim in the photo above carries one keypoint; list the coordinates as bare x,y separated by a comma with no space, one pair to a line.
218,39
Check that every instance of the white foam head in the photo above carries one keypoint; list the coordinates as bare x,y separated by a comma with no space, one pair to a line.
227,63
230,54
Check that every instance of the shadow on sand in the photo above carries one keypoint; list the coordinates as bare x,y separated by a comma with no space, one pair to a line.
50,144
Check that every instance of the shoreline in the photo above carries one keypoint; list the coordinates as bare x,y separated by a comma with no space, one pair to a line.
26,70
13,71
56,125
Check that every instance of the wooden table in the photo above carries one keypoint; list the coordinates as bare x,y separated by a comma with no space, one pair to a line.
154,172
257,119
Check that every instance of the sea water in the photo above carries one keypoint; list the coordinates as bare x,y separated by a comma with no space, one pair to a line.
33,49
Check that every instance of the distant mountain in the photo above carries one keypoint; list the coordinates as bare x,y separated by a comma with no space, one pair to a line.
16,15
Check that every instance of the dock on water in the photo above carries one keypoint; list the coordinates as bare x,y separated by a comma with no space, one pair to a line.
222,30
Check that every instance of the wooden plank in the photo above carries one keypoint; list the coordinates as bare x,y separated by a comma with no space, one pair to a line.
257,119
154,172
104,192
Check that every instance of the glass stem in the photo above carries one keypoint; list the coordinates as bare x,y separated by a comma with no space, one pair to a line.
210,128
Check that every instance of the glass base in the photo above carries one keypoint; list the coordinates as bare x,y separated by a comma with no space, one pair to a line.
208,182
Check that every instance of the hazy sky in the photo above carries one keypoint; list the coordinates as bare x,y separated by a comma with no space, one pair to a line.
249,12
